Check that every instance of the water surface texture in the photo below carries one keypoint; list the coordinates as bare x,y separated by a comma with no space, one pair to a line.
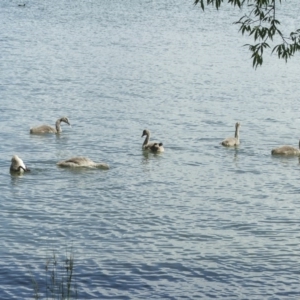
199,221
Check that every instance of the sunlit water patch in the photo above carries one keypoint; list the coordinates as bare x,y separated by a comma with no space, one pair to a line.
198,221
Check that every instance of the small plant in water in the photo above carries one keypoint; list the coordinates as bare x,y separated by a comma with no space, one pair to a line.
59,283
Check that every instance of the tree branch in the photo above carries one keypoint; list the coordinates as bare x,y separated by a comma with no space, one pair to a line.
262,13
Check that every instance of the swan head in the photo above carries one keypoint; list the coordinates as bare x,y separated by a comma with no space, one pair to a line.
65,119
237,125
146,132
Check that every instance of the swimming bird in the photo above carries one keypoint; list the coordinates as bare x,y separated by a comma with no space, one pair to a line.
153,146
80,161
233,141
17,165
286,150
49,129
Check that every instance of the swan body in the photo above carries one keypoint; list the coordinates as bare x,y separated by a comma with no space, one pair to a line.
286,150
153,146
157,147
81,162
49,129
233,141
17,165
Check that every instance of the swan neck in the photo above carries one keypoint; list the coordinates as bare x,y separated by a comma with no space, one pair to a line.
146,141
57,126
236,135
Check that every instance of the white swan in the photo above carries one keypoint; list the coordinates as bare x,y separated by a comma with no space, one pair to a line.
82,162
286,150
233,141
153,146
17,165
49,129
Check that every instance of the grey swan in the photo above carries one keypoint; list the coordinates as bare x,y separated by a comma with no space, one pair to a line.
151,146
49,129
81,162
286,150
233,141
17,165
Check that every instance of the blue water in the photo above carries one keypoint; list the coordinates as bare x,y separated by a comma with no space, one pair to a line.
197,222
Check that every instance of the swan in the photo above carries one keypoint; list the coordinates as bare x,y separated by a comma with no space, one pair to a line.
233,141
153,146
80,161
17,165
286,150
49,129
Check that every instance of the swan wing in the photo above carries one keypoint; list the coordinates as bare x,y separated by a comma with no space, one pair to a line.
285,150
230,142
42,129
81,161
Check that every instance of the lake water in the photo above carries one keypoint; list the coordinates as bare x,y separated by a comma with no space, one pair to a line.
199,221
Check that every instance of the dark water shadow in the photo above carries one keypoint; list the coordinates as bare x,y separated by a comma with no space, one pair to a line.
285,158
147,156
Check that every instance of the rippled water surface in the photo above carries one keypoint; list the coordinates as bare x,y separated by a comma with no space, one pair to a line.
197,222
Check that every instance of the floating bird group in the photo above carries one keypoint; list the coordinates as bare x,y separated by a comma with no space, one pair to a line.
18,166
283,150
